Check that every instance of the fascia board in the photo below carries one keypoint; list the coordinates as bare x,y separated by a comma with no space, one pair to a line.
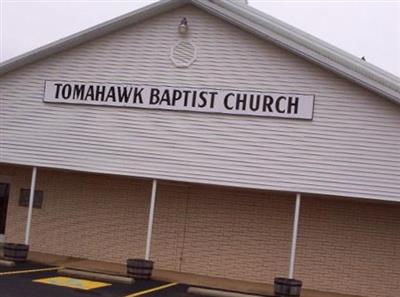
90,34
250,20
289,38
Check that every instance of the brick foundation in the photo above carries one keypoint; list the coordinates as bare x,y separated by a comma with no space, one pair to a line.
345,246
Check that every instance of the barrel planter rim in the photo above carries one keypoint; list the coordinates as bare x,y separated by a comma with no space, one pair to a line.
138,259
287,287
139,269
15,244
17,252
288,280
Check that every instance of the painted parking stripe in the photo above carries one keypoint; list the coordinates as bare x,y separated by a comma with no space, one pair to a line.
29,271
152,290
76,283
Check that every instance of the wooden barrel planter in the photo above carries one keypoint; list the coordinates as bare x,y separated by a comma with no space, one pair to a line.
139,268
15,252
287,287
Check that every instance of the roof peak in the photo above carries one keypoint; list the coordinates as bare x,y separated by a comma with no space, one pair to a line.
249,19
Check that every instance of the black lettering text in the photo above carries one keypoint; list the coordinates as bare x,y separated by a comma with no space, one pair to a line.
268,101
165,98
176,95
57,89
212,99
111,94
90,93
278,104
66,91
124,94
241,101
293,104
254,102
227,99
154,96
100,92
137,95
186,97
79,91
203,99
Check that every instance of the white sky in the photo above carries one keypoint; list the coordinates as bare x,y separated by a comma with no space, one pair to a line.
367,28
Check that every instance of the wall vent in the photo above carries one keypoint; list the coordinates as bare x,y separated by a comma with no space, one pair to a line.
183,54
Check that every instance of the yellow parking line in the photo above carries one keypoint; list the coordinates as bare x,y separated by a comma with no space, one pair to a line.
29,271
152,290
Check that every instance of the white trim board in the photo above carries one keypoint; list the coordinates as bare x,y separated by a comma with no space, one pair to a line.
249,19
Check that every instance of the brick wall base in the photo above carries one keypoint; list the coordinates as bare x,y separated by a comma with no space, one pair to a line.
344,246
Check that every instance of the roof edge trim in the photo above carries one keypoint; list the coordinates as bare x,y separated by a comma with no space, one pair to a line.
306,46
90,33
249,19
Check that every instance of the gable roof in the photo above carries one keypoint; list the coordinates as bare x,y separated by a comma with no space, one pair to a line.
249,19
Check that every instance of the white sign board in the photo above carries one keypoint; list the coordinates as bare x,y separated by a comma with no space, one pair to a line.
256,103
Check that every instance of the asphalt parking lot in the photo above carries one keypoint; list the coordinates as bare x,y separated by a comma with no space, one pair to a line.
35,280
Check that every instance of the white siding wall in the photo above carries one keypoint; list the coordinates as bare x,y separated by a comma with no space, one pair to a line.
351,148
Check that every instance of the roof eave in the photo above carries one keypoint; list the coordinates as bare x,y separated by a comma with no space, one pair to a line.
243,16
306,46
91,33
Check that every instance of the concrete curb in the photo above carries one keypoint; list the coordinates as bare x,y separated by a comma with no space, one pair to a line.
96,276
217,293
7,263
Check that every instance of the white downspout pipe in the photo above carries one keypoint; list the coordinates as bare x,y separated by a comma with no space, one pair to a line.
294,236
31,197
151,218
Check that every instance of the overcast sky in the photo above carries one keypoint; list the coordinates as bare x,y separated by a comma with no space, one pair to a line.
364,28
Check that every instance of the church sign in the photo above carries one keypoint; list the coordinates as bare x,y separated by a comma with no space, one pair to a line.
240,102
